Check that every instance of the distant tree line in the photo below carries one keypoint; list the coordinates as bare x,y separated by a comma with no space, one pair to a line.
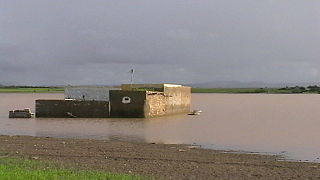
301,89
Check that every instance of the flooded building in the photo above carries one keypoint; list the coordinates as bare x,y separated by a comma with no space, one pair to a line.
127,101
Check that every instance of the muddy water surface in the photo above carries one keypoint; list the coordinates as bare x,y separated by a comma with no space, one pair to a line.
279,124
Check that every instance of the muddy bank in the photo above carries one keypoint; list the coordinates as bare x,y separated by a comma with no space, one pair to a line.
158,160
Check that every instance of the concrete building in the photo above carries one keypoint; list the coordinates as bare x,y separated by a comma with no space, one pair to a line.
129,101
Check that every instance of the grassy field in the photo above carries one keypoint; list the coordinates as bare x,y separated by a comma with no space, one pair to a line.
241,90
194,90
30,90
223,90
21,169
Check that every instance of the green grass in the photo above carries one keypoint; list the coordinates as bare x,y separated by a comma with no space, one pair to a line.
30,90
22,169
194,90
223,90
242,90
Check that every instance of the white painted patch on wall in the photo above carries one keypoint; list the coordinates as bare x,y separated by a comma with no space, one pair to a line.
126,100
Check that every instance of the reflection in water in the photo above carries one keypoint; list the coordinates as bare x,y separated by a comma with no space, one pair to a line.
119,129
248,122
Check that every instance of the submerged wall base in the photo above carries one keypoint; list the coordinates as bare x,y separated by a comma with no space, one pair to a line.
72,109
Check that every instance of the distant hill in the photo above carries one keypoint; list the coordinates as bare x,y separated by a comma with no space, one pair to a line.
5,84
237,84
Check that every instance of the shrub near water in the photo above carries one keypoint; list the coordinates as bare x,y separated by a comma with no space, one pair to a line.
20,169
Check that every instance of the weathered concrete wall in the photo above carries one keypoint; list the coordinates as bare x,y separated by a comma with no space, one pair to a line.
127,104
88,93
69,109
178,99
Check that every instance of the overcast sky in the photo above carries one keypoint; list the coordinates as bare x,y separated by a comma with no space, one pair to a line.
45,42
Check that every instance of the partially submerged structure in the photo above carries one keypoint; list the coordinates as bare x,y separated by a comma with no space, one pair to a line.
20,113
129,101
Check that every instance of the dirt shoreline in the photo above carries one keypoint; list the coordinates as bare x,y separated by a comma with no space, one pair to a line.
163,161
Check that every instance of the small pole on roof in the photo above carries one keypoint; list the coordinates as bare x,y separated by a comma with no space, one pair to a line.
132,73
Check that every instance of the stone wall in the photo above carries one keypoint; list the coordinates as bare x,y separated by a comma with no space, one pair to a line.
155,104
72,109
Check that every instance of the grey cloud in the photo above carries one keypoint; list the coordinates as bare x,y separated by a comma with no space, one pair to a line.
97,42
10,58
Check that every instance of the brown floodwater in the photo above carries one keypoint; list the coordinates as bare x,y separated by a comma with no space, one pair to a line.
260,123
